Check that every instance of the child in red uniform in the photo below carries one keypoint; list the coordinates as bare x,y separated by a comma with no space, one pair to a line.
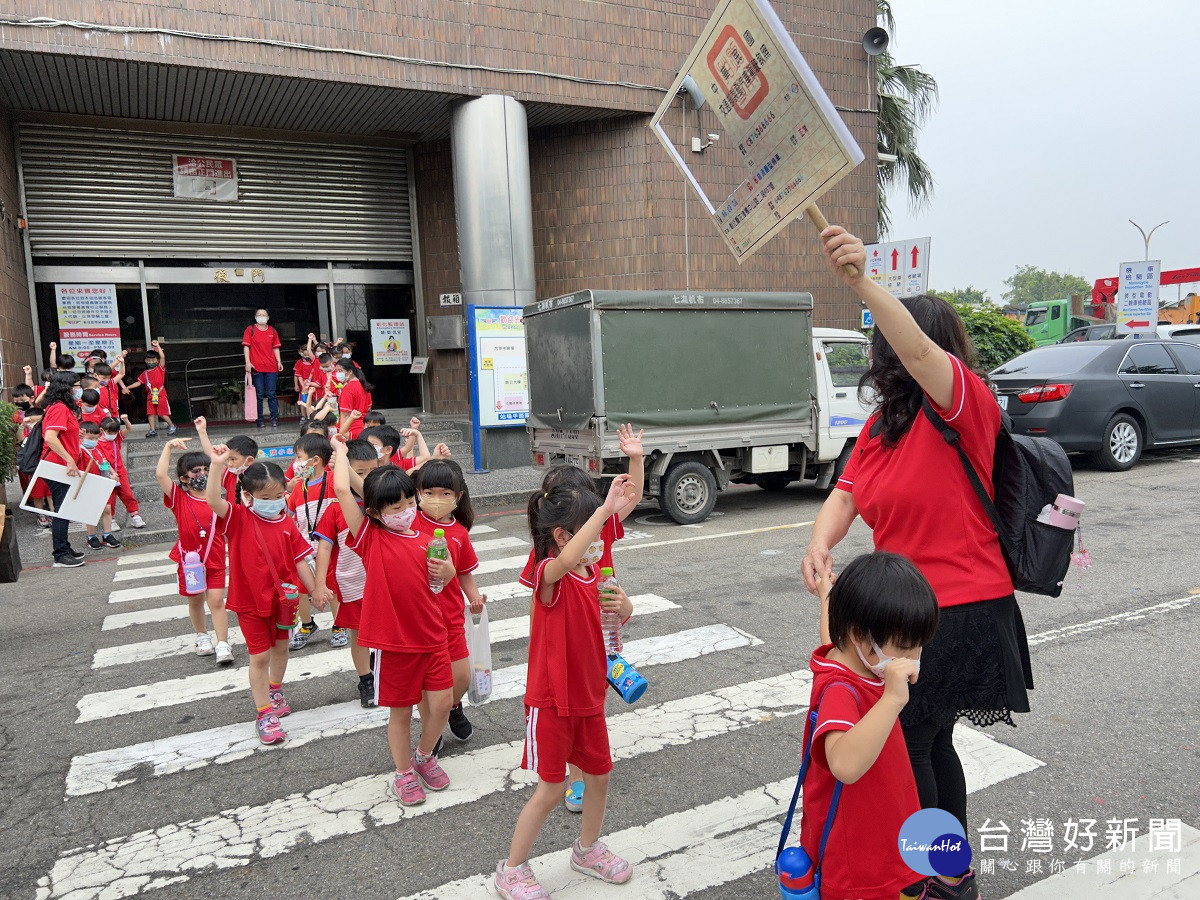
575,478
198,532
243,450
28,417
154,380
311,495
355,397
114,431
97,460
446,504
400,619
265,550
109,387
302,370
341,569
874,621
565,687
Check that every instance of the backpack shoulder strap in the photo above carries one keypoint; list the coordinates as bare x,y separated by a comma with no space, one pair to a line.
837,789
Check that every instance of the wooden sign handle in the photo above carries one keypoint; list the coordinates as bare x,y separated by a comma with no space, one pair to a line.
818,219
82,478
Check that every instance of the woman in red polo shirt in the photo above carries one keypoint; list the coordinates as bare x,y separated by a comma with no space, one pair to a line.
909,487
260,347
355,397
60,434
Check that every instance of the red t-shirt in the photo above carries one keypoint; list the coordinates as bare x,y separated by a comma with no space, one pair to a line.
97,415
407,463
117,458
870,811
567,664
462,554
193,516
103,452
229,481
346,573
154,378
110,396
918,502
399,611
59,418
612,532
252,586
308,502
354,396
303,369
262,343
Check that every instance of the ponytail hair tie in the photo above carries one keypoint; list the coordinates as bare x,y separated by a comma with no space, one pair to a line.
546,496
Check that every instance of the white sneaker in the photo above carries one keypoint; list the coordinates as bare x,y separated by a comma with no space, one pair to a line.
224,654
137,521
204,645
115,526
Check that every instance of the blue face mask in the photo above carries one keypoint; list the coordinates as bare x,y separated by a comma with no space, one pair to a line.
264,509
77,393
90,443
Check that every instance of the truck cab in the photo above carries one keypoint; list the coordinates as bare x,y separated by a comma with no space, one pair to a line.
1049,321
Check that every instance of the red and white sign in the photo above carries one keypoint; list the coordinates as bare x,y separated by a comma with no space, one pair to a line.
87,320
902,267
205,178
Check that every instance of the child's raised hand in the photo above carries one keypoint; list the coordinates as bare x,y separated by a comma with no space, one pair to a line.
28,370
220,454
53,345
619,493
408,432
201,424
178,443
355,415
630,442
414,422
899,674
442,451
339,446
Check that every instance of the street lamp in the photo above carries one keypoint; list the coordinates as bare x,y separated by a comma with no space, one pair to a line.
1146,237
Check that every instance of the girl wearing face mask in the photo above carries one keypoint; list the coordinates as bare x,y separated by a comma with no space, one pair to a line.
874,621
95,456
355,397
198,533
260,349
401,619
446,504
266,550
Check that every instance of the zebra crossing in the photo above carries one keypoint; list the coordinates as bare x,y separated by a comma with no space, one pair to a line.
677,854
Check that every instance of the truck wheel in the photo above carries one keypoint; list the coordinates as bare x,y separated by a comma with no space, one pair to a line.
1122,444
688,494
775,481
842,461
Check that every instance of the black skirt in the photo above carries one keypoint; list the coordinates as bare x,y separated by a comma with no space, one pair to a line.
976,667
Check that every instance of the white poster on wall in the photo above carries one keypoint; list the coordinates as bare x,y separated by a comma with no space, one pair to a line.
390,342
87,320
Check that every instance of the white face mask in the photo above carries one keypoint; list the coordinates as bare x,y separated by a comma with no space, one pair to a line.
342,375
109,437
238,470
261,320
592,555
400,521
264,509
878,669
379,453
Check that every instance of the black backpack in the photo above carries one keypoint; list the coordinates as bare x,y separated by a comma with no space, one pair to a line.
1028,472
30,452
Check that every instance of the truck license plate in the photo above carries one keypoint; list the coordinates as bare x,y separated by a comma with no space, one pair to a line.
1003,401
575,460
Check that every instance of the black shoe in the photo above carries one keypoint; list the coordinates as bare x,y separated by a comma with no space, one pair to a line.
112,541
460,725
936,889
439,747
93,542
67,562
366,690
75,554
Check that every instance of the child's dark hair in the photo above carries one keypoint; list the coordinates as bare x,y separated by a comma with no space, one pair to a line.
386,435
99,354
312,426
193,459
89,427
110,425
374,418
103,369
446,473
91,397
259,475
324,358
65,362
151,354
560,508
316,445
243,444
361,451
22,390
349,366
384,487
88,382
882,597
572,478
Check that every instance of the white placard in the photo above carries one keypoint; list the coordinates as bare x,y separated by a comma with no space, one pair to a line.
1137,297
900,267
86,507
205,178
87,320
450,300
390,342
419,365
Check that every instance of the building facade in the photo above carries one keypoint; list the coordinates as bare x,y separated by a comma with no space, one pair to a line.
326,160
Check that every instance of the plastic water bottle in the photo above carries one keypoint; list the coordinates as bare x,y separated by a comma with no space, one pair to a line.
438,549
796,877
106,469
610,622
194,579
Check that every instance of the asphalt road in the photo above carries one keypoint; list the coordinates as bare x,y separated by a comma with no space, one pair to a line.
1114,731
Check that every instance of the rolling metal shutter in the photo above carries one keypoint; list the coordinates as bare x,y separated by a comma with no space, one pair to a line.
96,192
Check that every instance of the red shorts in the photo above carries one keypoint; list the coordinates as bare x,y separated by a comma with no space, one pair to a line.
39,492
400,678
260,632
348,615
214,576
454,611
552,741
161,408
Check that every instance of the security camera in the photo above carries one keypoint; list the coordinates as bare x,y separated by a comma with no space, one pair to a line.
713,137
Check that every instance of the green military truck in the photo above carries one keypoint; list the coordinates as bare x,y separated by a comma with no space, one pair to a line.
731,388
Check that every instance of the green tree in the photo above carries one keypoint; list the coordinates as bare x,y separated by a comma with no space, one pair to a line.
906,98
997,338
968,296
1029,284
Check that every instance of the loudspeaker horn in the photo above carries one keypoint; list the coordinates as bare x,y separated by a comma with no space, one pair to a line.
875,41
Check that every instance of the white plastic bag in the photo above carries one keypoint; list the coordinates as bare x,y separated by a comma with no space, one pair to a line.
479,650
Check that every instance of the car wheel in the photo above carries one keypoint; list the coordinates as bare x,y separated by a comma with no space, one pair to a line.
689,493
776,481
1122,445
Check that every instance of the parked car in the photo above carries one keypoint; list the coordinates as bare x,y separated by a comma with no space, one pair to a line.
1188,333
1091,333
1111,399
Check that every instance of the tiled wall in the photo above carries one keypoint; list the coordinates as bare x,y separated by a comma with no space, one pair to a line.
16,327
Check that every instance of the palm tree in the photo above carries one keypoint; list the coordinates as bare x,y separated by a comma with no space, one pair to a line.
906,98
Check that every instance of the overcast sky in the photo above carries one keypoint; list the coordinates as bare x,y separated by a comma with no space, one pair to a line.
1059,121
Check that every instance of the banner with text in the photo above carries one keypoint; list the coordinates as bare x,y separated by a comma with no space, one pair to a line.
205,178
499,369
900,267
1137,297
87,320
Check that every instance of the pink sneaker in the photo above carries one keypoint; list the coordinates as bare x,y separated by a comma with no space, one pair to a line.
600,862
279,704
432,774
519,883
269,729
407,789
